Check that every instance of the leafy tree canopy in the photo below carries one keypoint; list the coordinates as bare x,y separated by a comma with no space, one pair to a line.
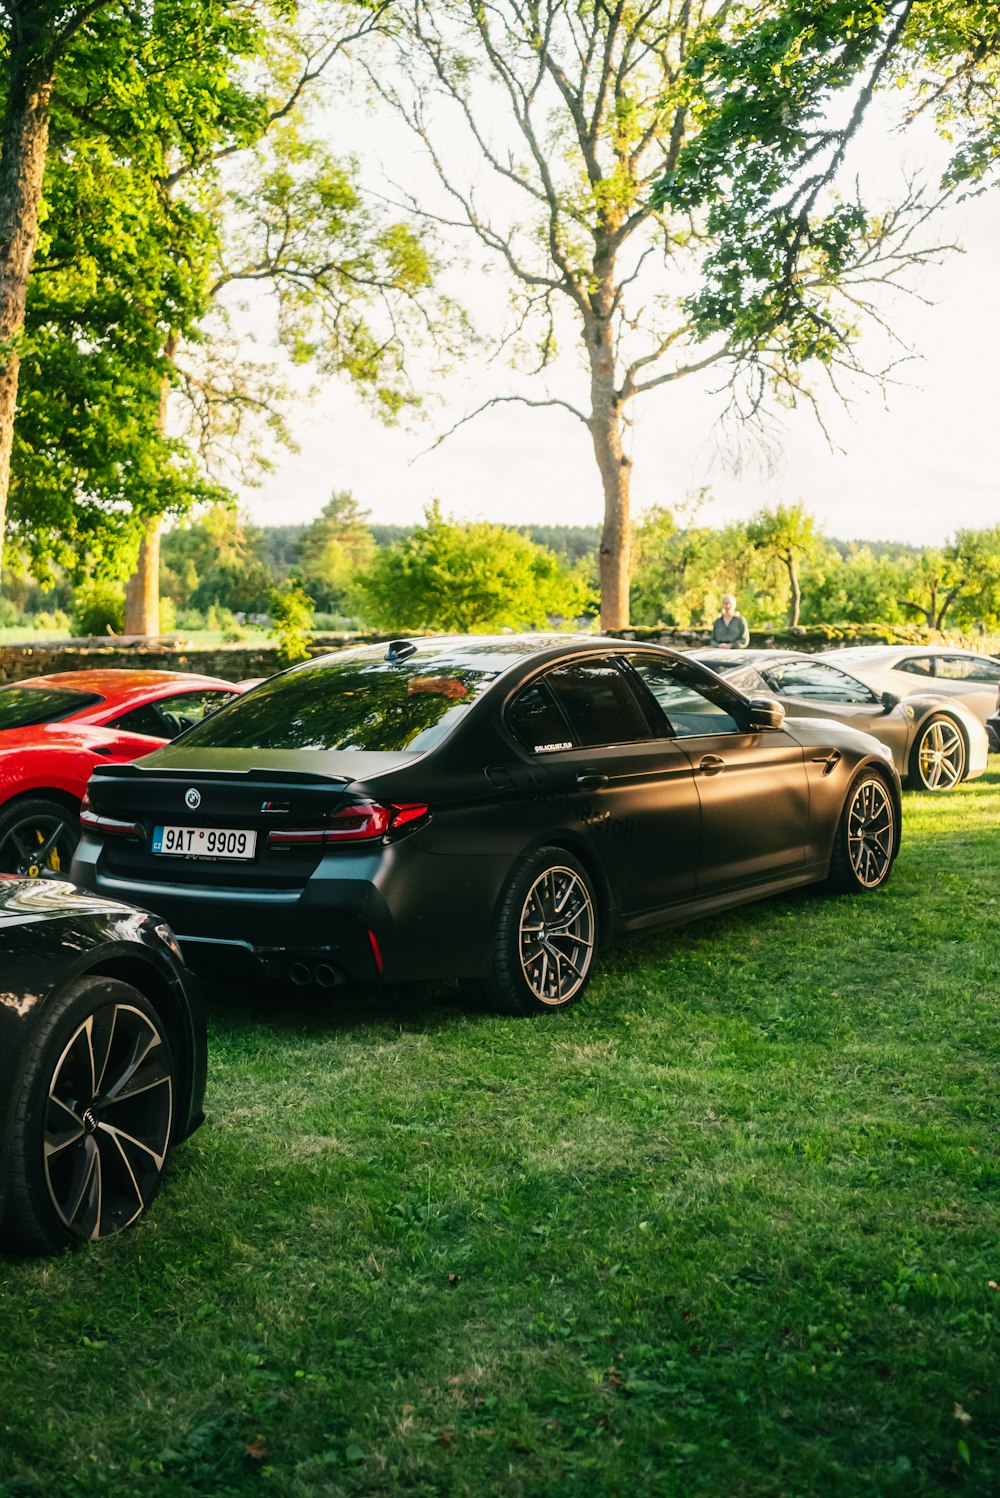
477,577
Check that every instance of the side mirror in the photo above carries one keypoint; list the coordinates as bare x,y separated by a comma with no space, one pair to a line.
765,712
890,700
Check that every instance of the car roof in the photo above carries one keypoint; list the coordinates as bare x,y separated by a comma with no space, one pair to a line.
735,658
888,652
125,686
487,653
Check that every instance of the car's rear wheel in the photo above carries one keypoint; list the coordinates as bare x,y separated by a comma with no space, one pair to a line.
37,838
93,1119
865,844
937,759
545,938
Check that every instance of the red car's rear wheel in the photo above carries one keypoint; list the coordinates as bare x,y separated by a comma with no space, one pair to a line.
37,837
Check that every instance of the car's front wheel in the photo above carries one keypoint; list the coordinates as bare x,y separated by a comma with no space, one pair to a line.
865,845
93,1119
937,759
545,938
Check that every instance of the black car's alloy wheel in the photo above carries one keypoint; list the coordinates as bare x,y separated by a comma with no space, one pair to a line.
937,760
36,838
546,935
94,1120
866,838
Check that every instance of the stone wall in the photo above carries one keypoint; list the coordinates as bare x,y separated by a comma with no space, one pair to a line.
231,662
240,662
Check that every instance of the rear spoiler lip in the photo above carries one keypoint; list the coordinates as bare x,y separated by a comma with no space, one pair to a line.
291,777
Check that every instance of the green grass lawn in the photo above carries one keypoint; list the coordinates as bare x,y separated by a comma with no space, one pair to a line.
729,1227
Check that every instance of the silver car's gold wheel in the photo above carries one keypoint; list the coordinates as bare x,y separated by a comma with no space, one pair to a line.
871,832
939,755
556,935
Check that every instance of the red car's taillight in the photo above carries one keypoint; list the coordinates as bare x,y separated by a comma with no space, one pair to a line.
365,821
107,826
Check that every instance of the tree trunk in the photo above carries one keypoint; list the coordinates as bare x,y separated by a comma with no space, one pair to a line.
142,593
795,601
616,472
22,170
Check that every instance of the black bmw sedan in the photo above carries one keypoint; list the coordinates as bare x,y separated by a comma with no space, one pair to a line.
488,809
102,1063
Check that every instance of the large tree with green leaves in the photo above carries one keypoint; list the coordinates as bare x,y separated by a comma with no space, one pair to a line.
182,170
577,110
52,51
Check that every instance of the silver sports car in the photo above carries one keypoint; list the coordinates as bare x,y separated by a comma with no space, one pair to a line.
936,742
965,676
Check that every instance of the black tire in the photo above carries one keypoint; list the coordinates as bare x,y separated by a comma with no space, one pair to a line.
867,836
545,938
938,757
37,837
93,1121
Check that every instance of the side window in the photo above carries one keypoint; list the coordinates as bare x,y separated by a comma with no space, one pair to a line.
916,665
537,723
747,679
170,716
968,668
814,682
599,703
694,704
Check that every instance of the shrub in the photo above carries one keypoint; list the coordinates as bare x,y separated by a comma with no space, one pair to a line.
98,608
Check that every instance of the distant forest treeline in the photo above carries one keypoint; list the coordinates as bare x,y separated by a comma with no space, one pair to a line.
343,571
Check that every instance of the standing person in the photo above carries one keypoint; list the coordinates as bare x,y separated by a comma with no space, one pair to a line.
730,631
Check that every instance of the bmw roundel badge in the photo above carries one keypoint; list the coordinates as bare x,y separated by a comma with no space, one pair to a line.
192,798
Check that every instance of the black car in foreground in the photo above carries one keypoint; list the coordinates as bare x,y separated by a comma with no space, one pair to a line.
488,809
102,1063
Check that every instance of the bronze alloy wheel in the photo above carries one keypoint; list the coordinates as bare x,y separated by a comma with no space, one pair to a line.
556,935
870,832
107,1120
939,755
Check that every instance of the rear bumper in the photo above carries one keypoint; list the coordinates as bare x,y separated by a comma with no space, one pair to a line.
364,916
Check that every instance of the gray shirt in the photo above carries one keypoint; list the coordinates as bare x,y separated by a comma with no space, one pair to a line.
735,633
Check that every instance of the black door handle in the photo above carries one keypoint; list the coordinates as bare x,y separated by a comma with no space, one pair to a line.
712,764
591,782
104,749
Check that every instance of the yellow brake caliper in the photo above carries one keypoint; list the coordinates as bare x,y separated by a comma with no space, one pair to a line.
34,869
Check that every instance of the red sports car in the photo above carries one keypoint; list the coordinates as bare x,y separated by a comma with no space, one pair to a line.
55,729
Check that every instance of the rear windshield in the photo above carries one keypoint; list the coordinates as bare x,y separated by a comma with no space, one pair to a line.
21,707
354,704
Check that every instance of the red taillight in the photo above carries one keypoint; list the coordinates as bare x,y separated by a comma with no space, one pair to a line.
364,821
107,826
376,951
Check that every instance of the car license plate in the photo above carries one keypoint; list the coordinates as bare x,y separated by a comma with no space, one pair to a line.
204,842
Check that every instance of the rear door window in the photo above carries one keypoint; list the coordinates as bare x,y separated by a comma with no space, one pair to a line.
599,703
537,723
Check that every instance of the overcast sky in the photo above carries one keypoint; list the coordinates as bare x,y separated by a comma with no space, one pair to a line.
912,466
